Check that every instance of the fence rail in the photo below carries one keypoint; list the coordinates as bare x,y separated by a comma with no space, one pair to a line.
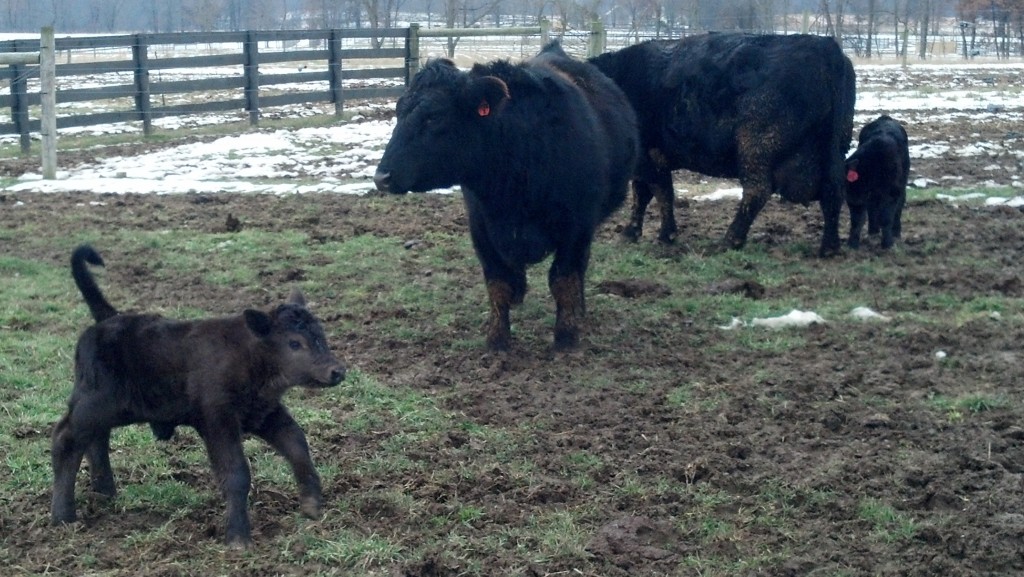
247,71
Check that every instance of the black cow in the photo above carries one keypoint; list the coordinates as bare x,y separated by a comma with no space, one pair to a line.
543,151
876,176
225,377
774,111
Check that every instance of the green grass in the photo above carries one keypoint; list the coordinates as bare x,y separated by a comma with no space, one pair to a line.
887,524
382,427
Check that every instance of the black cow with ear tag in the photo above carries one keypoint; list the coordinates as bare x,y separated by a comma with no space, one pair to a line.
543,151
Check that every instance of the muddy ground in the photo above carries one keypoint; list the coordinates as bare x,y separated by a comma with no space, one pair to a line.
843,417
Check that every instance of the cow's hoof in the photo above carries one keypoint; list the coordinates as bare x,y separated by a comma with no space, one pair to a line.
668,237
498,344
733,243
566,340
630,234
829,251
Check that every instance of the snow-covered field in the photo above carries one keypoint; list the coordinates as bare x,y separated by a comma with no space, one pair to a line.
342,158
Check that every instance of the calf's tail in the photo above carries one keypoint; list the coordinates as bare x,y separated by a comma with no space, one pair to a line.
98,305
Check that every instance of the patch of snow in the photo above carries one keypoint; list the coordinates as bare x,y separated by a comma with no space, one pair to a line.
864,313
722,193
794,318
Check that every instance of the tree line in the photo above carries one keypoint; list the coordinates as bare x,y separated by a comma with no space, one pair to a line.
997,24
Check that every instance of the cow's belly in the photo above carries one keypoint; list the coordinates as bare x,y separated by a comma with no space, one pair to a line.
526,243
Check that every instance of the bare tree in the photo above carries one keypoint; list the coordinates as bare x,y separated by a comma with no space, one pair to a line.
923,21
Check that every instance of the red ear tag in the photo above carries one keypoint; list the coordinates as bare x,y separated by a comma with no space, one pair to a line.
484,109
852,176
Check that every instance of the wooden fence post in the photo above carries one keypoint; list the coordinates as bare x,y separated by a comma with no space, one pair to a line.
545,31
596,40
334,66
140,59
48,102
252,77
412,52
19,105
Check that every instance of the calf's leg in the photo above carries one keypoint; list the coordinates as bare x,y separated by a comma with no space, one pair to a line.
66,456
98,455
223,441
858,213
283,434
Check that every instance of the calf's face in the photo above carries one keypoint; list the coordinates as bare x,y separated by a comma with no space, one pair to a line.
438,129
297,344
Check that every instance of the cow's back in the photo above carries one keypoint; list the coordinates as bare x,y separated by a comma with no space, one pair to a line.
698,97
617,123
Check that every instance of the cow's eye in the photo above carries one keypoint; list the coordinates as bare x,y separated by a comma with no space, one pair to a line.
294,345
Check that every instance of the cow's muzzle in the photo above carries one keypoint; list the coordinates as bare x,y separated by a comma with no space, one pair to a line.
382,180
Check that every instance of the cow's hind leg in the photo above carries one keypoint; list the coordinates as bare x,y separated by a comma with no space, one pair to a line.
755,157
666,196
642,194
755,196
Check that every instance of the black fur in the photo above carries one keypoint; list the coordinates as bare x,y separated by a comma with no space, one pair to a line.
776,112
224,376
543,150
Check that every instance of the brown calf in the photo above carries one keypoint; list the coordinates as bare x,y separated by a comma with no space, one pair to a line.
225,377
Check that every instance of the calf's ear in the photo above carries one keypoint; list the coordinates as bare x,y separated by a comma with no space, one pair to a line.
487,95
258,322
297,298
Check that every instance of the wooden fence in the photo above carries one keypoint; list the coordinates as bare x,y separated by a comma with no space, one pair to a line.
240,71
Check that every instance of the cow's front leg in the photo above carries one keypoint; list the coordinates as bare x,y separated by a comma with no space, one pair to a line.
569,309
223,440
506,283
565,279
283,434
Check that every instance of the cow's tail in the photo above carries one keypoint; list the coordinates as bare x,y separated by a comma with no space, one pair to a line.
98,305
846,96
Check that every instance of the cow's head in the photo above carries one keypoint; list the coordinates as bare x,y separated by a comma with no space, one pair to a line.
442,121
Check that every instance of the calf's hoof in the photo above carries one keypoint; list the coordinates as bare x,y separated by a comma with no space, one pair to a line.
62,518
238,542
310,507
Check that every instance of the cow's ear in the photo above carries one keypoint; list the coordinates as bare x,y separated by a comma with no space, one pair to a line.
487,95
258,322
